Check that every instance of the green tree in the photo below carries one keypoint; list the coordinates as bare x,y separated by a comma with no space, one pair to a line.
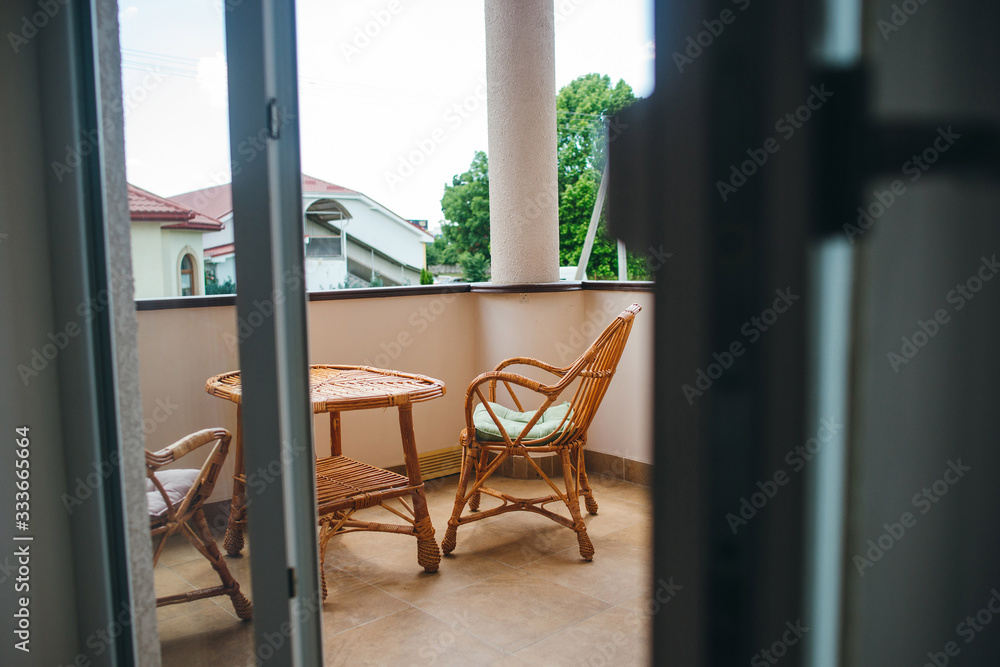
466,208
584,108
474,267
441,252
426,278
213,286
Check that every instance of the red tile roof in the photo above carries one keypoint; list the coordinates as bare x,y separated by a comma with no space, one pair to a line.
144,205
310,184
217,201
221,250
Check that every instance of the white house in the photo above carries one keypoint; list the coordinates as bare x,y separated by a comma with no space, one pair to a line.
167,255
349,237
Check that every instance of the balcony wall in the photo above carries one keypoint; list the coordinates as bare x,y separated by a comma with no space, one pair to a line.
451,335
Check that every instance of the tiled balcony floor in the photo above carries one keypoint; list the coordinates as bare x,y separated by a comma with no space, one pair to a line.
514,592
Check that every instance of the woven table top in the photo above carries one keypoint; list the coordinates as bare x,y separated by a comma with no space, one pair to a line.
334,388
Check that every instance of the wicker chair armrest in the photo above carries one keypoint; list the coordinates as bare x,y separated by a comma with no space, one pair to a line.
171,453
208,475
504,376
529,361
521,361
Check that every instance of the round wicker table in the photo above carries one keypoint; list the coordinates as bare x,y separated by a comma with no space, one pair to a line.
344,485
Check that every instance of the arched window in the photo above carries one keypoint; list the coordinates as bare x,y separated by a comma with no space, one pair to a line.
189,286
331,216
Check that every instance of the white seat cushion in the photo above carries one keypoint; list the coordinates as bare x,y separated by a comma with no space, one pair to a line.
175,482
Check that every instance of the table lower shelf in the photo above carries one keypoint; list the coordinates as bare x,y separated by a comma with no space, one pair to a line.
344,486
343,483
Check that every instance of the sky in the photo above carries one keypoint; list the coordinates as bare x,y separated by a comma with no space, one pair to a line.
392,98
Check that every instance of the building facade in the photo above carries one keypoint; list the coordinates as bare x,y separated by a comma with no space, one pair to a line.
350,239
167,255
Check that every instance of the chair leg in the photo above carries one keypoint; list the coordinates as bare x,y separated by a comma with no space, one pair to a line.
237,524
573,504
243,607
588,493
324,538
451,534
481,464
428,554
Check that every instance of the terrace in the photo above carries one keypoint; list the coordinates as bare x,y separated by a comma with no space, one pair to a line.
515,593
451,333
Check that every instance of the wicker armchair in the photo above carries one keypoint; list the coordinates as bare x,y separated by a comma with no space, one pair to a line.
491,429
175,498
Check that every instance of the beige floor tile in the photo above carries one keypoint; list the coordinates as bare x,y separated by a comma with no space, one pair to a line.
612,515
514,610
361,545
399,574
514,487
523,488
644,604
605,480
441,491
410,637
492,613
350,548
440,513
511,661
633,493
177,550
351,602
514,539
167,582
638,535
613,637
200,573
618,572
206,637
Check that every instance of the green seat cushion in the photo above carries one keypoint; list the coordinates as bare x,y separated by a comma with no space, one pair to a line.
548,427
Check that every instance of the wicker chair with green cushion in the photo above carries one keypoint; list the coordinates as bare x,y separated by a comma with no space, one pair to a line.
174,500
495,433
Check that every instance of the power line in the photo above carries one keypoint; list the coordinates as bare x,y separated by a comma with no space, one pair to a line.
158,56
137,59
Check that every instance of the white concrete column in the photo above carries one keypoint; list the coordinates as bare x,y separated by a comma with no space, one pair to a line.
521,90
